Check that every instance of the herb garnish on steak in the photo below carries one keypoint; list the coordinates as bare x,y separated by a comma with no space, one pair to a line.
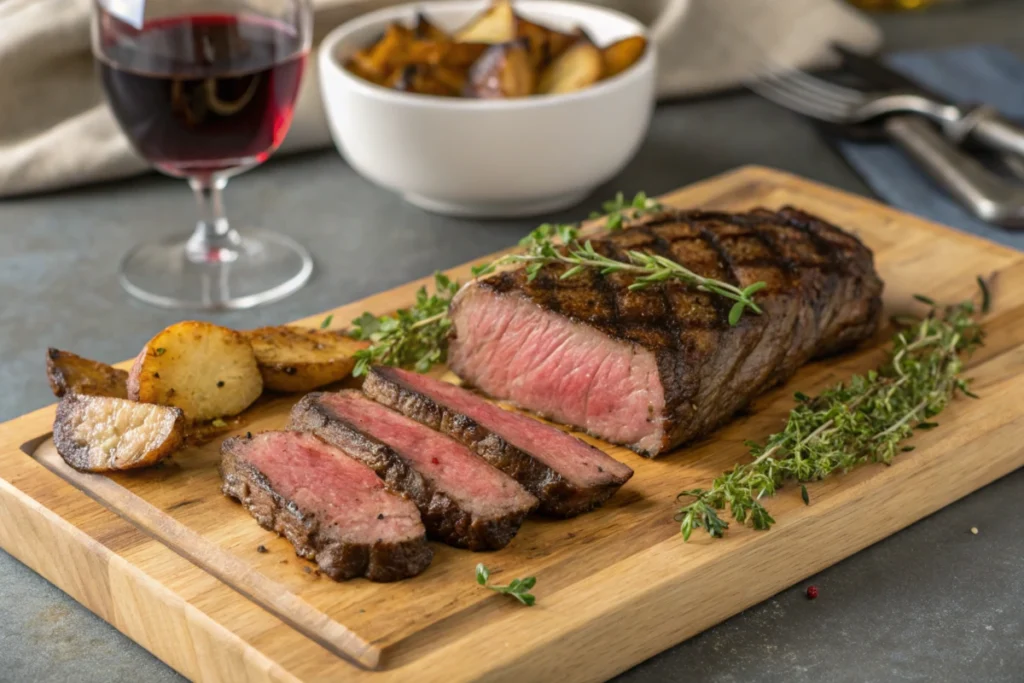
656,367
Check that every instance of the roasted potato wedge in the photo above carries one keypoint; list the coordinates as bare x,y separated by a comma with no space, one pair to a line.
543,43
104,434
69,373
579,67
206,370
427,30
504,71
622,54
428,79
496,25
298,359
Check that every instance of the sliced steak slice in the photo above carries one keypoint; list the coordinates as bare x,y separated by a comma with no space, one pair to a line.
465,502
660,366
567,475
333,509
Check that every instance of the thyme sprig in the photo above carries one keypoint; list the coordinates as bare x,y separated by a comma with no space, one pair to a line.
559,243
862,420
517,588
415,337
620,209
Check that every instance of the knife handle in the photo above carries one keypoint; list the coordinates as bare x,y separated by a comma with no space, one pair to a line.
980,191
986,126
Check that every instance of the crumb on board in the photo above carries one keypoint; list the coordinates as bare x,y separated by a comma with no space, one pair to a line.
261,549
974,530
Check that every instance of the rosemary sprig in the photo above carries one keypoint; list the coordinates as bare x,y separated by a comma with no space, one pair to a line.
517,588
414,337
863,420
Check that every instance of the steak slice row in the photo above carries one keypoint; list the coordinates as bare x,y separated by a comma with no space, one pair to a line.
464,501
567,475
333,509
660,366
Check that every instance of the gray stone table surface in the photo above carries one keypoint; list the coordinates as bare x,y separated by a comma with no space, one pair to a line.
932,603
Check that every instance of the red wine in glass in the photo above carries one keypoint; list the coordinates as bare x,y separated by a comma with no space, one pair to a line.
205,89
204,93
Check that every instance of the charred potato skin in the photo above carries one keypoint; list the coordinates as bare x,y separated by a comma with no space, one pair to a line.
76,454
503,72
69,373
181,343
298,360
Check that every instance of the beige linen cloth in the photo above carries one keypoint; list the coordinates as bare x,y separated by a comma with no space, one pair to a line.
56,131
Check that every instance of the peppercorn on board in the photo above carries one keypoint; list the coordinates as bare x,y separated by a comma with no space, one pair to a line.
184,571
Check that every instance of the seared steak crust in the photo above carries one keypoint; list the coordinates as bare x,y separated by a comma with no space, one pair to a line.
444,518
311,532
558,495
822,296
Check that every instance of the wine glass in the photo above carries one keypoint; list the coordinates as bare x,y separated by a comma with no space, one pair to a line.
204,90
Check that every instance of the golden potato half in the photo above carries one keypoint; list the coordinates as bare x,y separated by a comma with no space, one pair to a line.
206,370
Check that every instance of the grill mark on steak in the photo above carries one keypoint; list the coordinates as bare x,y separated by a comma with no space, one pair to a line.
464,501
567,475
822,295
333,509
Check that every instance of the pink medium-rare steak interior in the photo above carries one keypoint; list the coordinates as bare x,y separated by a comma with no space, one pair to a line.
468,479
513,349
345,493
576,460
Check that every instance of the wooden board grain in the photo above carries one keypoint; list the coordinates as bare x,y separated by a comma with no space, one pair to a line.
171,562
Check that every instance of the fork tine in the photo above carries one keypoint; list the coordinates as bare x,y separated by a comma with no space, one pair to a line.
783,92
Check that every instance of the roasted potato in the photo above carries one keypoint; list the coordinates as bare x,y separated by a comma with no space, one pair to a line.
578,67
102,434
429,80
622,54
503,71
427,30
543,44
69,373
496,25
484,58
299,359
206,370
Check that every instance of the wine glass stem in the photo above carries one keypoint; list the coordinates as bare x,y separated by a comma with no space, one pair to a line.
214,240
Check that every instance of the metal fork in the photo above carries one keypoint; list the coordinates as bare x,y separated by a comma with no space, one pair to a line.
977,189
820,99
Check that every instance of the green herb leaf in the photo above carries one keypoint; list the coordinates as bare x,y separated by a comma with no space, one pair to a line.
803,495
159,351
327,322
517,588
735,313
986,296
859,421
925,300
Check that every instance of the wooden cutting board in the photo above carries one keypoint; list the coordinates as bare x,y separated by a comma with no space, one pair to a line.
167,559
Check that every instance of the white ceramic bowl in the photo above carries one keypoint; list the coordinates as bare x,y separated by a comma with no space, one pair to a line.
488,158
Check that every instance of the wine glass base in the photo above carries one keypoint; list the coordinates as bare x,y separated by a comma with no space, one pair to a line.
266,267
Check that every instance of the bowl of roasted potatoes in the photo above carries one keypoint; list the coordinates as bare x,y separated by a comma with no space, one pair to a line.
498,108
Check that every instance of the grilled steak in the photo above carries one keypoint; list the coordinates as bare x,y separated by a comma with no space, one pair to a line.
660,366
568,476
465,502
333,509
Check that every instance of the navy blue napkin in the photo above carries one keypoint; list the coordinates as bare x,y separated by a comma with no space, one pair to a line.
973,74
